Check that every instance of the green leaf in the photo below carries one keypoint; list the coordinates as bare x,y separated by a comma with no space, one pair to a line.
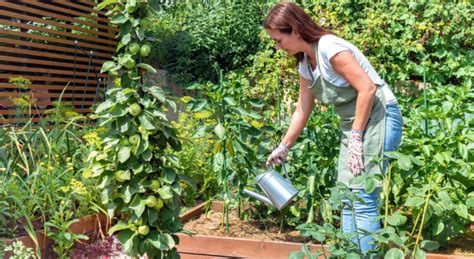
462,148
146,122
165,192
161,241
117,227
404,162
394,253
138,205
124,154
414,201
396,219
230,101
126,238
447,106
220,131
158,93
119,19
370,185
147,67
103,106
105,3
470,202
462,211
420,254
438,228
429,245
107,66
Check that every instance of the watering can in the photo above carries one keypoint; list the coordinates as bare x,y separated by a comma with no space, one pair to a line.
279,191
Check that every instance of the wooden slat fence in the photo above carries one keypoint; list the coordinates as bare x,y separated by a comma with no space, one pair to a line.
60,46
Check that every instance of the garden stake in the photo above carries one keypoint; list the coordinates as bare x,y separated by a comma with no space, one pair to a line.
278,100
424,96
425,208
74,72
91,53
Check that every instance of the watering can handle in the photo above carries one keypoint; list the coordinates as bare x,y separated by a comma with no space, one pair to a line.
284,169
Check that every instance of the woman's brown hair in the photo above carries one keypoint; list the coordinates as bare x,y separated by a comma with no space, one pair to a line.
286,17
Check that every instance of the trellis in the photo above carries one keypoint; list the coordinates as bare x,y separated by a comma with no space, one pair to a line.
60,47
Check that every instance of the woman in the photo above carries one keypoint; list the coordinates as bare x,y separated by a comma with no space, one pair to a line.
335,72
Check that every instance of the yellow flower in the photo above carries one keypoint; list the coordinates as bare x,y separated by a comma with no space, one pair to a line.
202,115
92,138
87,173
78,187
185,99
64,189
256,124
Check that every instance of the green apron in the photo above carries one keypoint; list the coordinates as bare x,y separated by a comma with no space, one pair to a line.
344,101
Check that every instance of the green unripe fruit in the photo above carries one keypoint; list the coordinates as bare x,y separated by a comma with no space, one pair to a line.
134,48
122,176
130,63
134,139
159,204
145,22
143,230
135,109
151,201
145,50
155,185
124,142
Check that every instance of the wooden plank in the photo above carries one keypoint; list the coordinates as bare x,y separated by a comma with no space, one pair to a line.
81,7
50,79
22,8
87,2
53,23
96,48
8,103
50,47
56,32
80,88
39,111
68,12
59,7
49,63
79,60
77,95
48,71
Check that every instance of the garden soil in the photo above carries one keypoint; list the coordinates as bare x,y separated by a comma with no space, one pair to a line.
212,224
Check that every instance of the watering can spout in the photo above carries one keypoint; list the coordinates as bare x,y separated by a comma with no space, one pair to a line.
259,197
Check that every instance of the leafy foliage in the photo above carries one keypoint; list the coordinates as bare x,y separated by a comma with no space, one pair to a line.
195,41
139,182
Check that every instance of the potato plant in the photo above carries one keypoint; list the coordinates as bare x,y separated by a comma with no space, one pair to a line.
139,185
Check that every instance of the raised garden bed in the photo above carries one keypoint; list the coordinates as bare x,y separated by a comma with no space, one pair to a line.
91,226
211,240
242,245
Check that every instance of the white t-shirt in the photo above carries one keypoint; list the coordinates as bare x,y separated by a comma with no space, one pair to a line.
330,45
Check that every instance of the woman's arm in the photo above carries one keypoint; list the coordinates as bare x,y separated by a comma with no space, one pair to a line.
346,65
301,114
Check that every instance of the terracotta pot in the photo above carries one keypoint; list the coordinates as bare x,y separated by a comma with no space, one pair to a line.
203,246
92,226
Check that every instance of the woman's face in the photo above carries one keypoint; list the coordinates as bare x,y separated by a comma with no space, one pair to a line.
288,42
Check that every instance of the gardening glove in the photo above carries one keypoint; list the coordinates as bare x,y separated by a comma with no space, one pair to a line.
356,163
278,155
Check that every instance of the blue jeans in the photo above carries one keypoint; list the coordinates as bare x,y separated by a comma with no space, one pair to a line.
366,213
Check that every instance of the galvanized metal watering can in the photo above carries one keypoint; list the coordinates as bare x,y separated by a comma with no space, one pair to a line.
279,191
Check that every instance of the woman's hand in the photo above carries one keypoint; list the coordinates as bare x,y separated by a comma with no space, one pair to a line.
278,155
356,162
